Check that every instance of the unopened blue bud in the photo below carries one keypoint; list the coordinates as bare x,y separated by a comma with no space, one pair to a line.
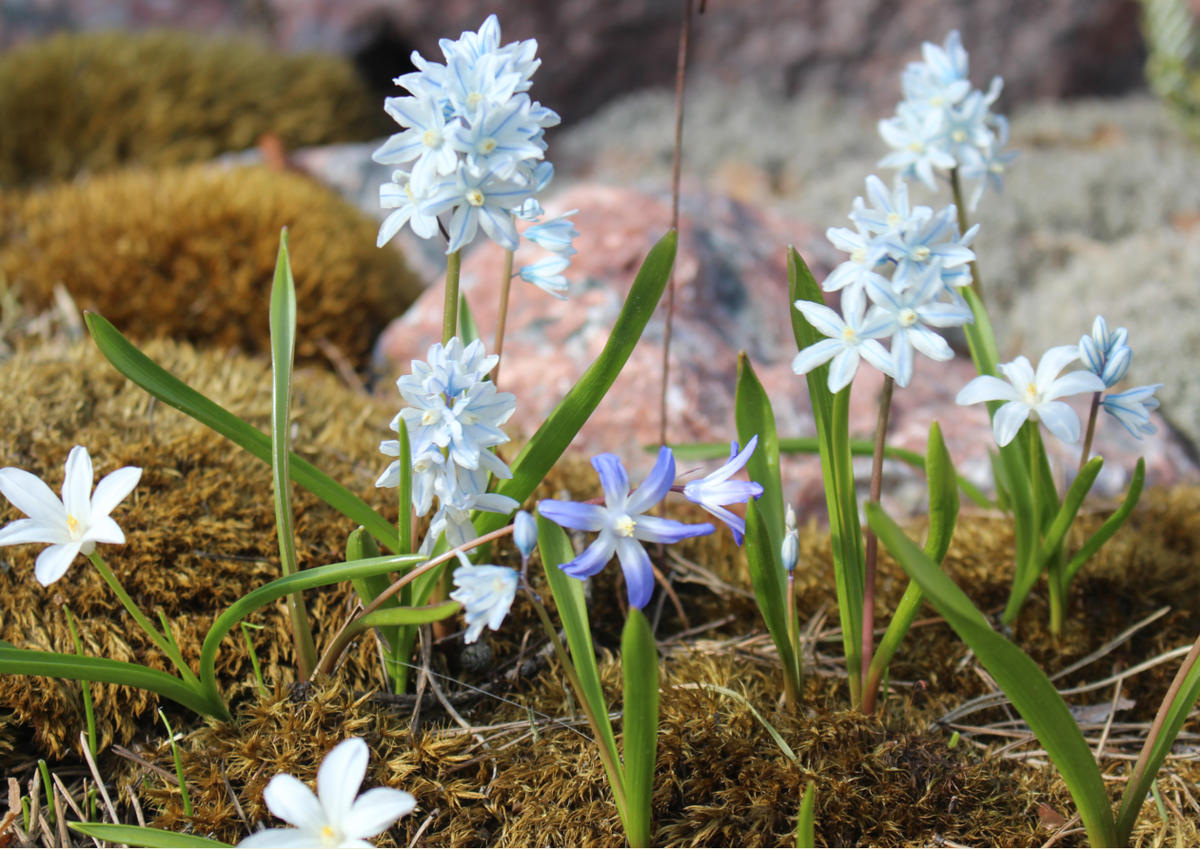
1117,365
1100,332
1091,354
525,533
1117,339
790,551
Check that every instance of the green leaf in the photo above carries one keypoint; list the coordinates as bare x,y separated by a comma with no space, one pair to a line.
542,451
811,445
411,616
805,836
752,409
1158,748
283,350
14,661
770,589
320,576
152,838
943,516
1113,524
1003,499
572,609
1031,692
361,546
639,668
173,392
468,330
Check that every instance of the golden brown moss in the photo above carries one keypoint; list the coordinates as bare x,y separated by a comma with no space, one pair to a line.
86,103
190,253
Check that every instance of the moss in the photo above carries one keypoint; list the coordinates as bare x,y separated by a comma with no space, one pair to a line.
86,103
189,253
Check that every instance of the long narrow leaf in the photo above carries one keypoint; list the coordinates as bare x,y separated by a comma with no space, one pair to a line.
144,372
320,576
1113,523
572,609
1031,692
542,451
811,445
1139,785
15,661
151,838
752,410
639,667
771,592
283,351
361,546
805,830
468,330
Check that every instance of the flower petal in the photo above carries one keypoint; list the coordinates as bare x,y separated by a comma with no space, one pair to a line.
282,838
374,811
987,388
656,485
1053,362
1008,421
338,780
77,485
1060,419
574,514
54,562
613,478
655,529
843,368
826,321
594,558
24,531
29,494
1072,383
639,575
104,530
816,355
113,489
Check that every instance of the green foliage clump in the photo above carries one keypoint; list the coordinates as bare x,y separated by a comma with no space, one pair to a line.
92,102
1171,67
189,253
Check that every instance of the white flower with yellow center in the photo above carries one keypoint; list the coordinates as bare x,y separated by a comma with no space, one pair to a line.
1032,396
332,817
73,525
849,340
479,199
486,594
428,139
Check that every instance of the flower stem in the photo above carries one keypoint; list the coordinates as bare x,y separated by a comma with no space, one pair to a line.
85,687
164,645
616,776
872,544
450,310
793,626
1091,430
502,317
956,186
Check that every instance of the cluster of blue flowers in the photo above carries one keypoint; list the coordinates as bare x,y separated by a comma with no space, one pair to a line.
928,261
474,148
943,123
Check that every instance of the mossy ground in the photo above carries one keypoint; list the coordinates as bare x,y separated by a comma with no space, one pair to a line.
201,533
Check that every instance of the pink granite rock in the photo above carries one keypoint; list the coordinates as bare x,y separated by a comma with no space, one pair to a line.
731,294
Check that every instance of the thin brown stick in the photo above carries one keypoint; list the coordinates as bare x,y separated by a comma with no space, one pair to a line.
1091,430
91,762
502,318
872,546
676,167
670,590
1112,712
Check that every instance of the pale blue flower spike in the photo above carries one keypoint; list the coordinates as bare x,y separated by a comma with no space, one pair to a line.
486,593
622,523
1132,408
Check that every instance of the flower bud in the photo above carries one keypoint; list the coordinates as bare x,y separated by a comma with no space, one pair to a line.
525,533
1100,332
789,551
790,519
1091,355
1119,338
1117,365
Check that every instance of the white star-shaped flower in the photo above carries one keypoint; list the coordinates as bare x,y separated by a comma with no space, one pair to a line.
73,525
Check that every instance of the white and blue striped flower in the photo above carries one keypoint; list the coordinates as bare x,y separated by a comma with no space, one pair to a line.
716,491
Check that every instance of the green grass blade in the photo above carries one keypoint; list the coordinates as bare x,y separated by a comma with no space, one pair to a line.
639,668
1031,692
1112,525
770,589
411,616
943,516
144,372
283,351
319,576
572,609
805,830
14,661
1003,498
542,451
1152,759
752,410
811,445
468,330
362,546
151,838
